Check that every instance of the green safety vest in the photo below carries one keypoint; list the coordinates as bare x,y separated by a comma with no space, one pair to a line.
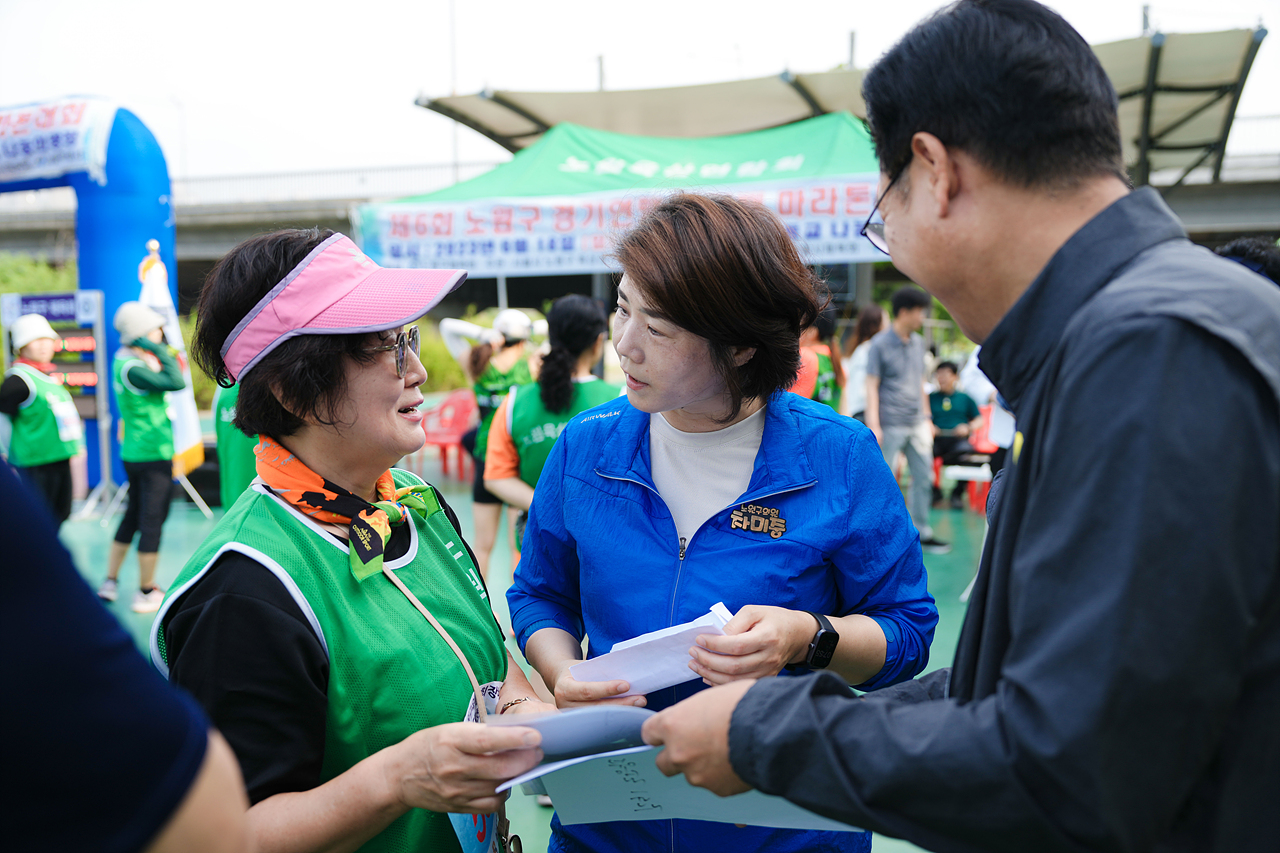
390,673
490,388
237,464
146,415
534,430
47,427
825,389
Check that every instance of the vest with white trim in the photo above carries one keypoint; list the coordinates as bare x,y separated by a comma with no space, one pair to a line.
390,673
47,428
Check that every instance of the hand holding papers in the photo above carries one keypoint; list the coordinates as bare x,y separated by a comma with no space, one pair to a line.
625,784
655,660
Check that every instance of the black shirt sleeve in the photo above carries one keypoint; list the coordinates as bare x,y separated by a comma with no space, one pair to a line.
241,645
14,391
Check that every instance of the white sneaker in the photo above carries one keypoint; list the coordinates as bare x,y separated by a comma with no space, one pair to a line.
108,590
148,602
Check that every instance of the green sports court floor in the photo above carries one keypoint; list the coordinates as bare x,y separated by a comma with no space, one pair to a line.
89,539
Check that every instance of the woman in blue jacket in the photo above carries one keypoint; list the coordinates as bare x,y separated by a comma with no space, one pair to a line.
708,483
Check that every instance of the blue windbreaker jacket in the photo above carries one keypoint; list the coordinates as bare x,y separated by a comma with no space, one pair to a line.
822,526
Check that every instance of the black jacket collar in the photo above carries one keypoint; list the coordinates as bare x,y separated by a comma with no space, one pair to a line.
1015,350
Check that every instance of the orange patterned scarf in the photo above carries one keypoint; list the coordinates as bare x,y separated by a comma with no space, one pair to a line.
313,495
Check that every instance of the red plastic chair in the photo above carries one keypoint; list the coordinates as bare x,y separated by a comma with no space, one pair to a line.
445,425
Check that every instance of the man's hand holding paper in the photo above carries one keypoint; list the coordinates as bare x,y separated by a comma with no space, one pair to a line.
695,734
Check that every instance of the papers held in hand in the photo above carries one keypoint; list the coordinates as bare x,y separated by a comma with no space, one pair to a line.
582,731
596,768
655,660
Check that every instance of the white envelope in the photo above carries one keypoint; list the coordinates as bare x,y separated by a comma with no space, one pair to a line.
655,660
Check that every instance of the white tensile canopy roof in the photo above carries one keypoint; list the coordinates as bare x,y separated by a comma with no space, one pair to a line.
1178,95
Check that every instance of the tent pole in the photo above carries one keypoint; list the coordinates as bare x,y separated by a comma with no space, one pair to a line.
865,275
502,293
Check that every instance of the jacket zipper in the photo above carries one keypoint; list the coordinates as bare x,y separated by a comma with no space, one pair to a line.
684,542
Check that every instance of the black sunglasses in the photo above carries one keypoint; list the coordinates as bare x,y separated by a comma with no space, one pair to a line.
874,231
405,341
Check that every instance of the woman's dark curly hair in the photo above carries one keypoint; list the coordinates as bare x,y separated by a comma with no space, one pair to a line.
574,324
303,378
726,270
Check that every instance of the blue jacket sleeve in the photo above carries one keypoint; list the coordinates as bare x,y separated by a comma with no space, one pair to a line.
544,591
880,571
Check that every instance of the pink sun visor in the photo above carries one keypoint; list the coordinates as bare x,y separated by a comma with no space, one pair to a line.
336,290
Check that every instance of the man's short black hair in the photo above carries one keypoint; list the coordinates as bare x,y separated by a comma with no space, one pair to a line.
947,365
1257,253
1010,83
906,298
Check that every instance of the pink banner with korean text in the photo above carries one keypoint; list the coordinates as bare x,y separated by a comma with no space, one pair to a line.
55,138
572,234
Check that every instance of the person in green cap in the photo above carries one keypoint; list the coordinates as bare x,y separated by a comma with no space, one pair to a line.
531,418
143,373
496,363
46,430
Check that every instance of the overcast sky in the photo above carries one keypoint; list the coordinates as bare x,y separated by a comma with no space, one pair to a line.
255,86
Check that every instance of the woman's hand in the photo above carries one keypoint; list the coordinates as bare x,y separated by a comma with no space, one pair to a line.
455,767
757,642
572,693
532,705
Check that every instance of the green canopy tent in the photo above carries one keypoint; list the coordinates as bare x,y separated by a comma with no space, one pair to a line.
556,207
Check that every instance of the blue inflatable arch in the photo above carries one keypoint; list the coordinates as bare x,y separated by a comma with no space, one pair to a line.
114,221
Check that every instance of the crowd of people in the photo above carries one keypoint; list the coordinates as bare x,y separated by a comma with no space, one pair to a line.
328,657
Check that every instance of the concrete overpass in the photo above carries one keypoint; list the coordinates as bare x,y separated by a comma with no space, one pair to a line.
214,214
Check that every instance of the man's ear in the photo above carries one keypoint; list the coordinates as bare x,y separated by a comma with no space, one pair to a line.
741,355
939,169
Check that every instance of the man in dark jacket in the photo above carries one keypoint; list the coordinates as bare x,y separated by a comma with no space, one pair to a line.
1117,679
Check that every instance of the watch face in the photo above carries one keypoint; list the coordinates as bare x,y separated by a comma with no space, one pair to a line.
824,646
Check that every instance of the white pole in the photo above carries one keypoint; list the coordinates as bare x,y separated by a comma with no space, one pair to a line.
502,293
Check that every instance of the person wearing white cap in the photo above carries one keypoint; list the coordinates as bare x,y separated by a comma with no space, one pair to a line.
333,623
46,430
496,363
143,372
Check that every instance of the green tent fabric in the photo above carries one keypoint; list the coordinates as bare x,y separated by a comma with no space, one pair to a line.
567,160
558,206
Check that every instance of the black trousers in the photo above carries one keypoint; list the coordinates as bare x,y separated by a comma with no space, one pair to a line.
150,491
53,483
950,449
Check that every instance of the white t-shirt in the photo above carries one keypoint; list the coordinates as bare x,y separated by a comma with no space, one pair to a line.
700,473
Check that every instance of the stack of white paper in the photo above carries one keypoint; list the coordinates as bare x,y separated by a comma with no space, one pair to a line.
655,660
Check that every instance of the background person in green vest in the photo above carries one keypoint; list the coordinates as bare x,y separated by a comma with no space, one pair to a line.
296,623
531,418
143,373
496,363
46,430
236,462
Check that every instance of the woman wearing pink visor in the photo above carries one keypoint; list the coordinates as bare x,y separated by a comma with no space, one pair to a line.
333,624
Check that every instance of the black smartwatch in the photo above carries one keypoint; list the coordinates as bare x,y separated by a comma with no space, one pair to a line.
823,646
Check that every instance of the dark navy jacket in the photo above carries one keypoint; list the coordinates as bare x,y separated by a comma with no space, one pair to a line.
1117,681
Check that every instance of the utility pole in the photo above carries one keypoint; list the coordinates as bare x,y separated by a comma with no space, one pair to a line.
600,70
852,38
453,79
1146,19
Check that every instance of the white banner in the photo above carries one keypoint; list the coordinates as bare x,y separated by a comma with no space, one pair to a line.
55,138
573,234
188,443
